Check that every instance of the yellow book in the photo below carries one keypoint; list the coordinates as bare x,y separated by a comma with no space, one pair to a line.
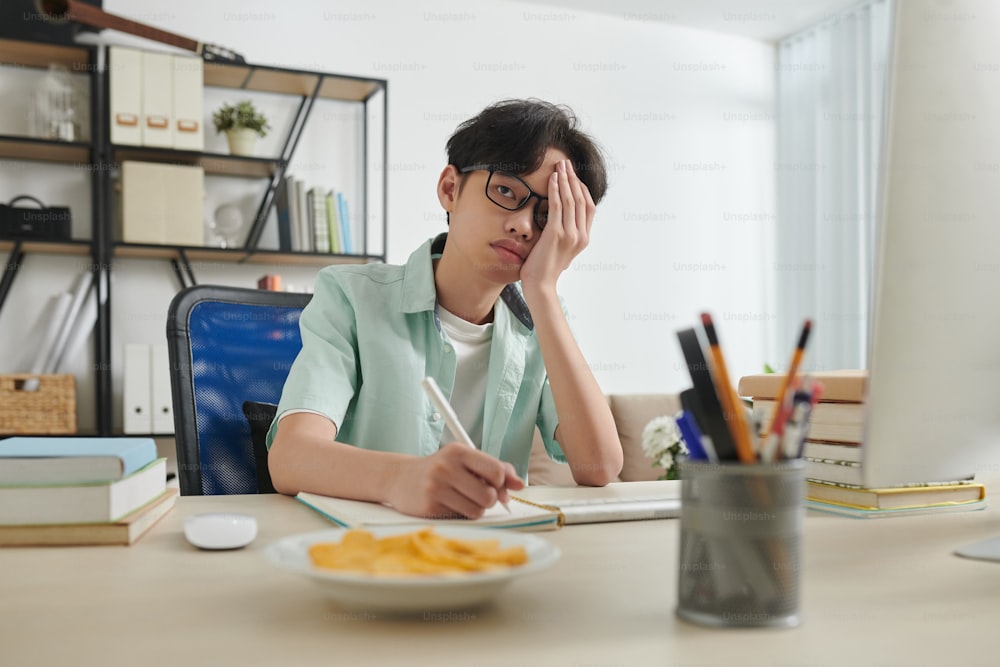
896,498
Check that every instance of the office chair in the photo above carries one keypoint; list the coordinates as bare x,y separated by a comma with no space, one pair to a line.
230,350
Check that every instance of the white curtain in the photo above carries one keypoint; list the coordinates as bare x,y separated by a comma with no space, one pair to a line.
831,80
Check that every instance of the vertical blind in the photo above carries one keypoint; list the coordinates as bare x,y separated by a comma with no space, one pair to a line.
831,84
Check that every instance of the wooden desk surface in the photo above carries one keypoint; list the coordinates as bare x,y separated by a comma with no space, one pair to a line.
876,592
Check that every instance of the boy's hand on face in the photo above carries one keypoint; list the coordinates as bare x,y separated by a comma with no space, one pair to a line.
455,481
567,232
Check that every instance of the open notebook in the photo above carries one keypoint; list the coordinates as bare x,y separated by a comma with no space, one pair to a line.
533,508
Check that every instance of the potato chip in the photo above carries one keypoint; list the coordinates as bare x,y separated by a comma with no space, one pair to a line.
422,552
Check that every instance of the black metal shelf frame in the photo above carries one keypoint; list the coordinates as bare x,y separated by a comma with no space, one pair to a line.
104,157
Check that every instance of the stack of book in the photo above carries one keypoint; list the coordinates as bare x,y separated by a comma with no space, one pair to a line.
76,491
312,219
832,452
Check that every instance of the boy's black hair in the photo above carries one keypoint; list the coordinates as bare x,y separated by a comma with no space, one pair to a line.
516,133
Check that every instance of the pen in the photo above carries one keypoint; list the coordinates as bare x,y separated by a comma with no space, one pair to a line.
450,418
793,368
731,406
699,448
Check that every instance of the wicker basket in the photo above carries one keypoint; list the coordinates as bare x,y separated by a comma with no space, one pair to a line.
51,409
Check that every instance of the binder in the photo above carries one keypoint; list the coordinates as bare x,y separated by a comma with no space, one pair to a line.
125,95
189,128
162,406
157,105
136,389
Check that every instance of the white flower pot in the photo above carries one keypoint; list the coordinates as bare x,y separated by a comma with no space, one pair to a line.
242,141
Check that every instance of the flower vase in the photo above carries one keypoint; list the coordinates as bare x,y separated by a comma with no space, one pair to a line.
242,141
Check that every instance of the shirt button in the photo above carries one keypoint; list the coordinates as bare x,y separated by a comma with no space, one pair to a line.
436,416
447,349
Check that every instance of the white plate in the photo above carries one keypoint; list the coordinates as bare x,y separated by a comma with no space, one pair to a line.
407,594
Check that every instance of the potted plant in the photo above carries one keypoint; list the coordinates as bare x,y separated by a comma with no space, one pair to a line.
242,124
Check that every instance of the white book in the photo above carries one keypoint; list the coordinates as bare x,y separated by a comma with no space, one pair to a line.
82,503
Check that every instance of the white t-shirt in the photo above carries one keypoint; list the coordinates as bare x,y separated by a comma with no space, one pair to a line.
472,344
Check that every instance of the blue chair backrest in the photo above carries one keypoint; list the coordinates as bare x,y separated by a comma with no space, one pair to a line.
228,346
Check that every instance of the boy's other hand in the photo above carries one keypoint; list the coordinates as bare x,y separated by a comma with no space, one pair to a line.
455,481
567,231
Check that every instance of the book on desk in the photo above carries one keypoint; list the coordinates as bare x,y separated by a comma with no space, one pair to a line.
534,508
79,490
833,453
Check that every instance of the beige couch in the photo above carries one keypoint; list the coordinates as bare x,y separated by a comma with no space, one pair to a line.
631,412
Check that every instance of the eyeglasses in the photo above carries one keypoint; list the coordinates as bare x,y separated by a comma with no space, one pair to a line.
511,193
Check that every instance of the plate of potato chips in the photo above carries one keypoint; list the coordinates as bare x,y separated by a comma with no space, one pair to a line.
406,569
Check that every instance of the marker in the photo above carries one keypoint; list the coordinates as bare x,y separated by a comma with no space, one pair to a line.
450,418
699,447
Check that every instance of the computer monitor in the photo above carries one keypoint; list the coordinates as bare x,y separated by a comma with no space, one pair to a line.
934,347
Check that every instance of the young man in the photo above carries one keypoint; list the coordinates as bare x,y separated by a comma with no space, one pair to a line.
519,193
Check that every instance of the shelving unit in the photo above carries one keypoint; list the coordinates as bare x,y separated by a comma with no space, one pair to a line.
104,158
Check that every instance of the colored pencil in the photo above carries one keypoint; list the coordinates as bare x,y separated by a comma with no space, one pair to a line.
732,408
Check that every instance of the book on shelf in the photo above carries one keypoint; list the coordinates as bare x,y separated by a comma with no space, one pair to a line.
532,508
290,186
302,227
832,421
346,244
29,460
125,531
317,220
94,502
841,385
333,223
283,211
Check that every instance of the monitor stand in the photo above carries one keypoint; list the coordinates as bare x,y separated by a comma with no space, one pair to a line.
985,550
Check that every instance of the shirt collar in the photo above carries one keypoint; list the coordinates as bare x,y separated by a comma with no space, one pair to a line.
419,293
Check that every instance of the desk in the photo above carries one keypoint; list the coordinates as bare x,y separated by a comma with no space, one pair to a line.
884,592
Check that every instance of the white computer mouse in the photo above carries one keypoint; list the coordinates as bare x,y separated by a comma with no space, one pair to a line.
220,530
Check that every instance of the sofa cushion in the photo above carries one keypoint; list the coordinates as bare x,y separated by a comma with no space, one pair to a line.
632,412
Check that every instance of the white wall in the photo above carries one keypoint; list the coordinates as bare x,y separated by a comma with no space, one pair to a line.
686,118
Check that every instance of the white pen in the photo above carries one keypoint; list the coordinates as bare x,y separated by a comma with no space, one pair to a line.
450,418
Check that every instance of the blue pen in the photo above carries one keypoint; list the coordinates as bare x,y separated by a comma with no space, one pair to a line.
699,448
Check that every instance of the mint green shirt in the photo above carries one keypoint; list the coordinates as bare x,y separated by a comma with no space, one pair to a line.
370,334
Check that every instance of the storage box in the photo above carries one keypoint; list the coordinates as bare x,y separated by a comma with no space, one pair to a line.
37,404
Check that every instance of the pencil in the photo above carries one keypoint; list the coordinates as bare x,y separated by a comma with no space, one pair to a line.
450,418
793,369
731,404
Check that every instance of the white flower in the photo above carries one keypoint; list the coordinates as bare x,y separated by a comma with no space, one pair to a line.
661,441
